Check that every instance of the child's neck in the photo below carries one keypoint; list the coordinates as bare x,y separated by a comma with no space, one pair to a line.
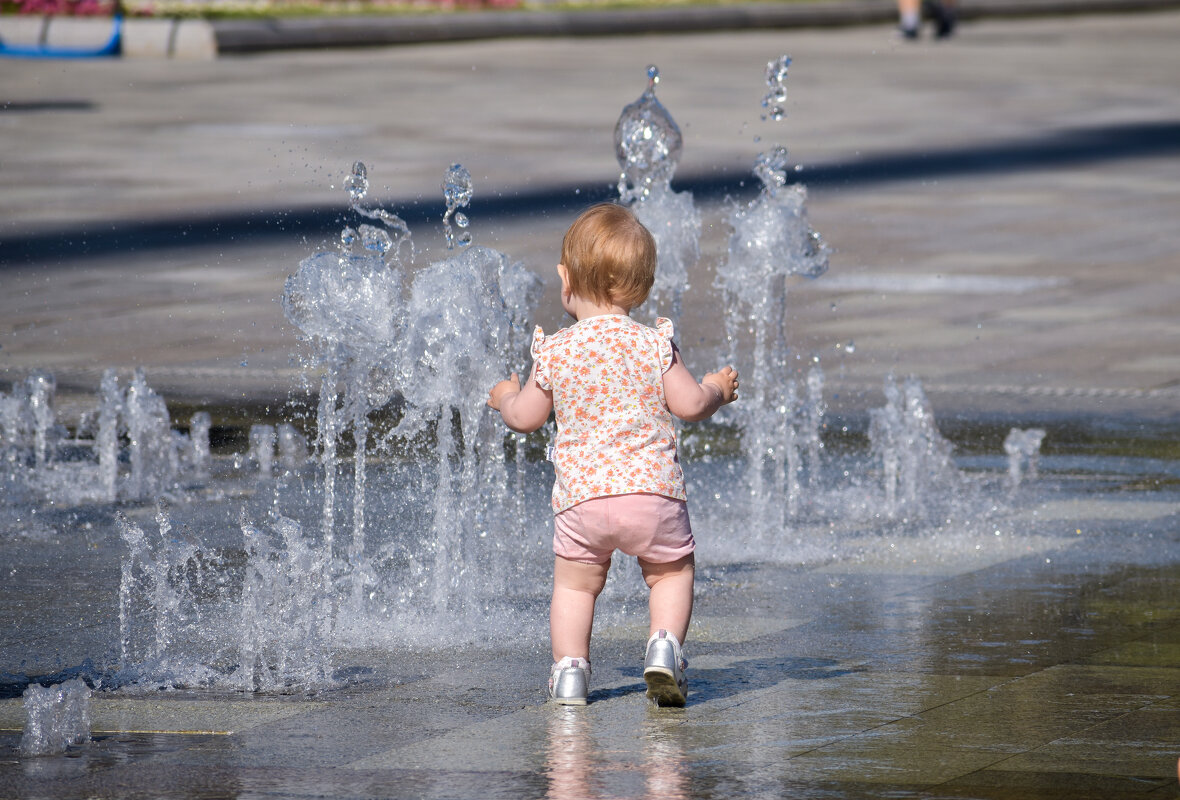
585,309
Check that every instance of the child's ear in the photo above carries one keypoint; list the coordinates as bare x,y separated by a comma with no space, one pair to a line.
564,274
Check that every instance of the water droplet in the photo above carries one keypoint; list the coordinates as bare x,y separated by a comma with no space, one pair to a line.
457,187
648,143
357,183
375,239
776,76
771,168
457,192
371,238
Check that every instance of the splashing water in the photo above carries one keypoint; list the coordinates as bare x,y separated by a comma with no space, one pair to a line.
386,241
262,448
348,306
917,473
199,426
776,96
466,330
255,616
265,612
39,459
164,580
770,243
154,459
446,537
457,193
648,145
287,611
429,350
292,447
29,433
56,717
1024,452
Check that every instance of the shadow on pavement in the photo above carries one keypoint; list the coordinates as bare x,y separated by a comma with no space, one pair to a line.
1055,150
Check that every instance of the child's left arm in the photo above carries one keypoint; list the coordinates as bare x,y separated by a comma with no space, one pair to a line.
692,401
524,410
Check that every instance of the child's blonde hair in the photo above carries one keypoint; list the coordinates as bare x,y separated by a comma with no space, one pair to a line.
609,256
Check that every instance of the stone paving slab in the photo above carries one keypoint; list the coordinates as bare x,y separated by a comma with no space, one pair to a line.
1009,241
815,708
220,717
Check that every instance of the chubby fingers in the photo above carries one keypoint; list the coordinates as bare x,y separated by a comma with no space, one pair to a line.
497,393
726,382
730,375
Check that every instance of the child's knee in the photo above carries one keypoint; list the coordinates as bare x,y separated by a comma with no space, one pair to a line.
682,568
579,576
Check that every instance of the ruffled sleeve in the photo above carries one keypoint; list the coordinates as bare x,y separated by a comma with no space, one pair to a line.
537,349
664,329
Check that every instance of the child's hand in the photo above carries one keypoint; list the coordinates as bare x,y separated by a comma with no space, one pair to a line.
726,380
503,389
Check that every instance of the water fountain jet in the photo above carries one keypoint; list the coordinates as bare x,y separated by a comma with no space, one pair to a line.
648,144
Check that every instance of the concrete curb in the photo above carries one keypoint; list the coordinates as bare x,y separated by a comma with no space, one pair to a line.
192,39
203,39
247,36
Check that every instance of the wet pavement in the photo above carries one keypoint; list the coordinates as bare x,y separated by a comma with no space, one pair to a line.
1002,210
1001,205
1042,668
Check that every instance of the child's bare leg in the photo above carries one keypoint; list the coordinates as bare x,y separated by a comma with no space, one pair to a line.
576,585
671,594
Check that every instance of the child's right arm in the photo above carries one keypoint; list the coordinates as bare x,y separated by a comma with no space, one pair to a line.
524,410
692,401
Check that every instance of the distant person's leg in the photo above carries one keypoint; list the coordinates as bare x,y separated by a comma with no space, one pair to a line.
909,17
943,13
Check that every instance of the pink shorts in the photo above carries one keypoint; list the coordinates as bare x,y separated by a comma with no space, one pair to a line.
653,527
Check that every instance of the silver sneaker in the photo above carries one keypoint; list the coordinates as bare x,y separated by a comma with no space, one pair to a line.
663,670
569,681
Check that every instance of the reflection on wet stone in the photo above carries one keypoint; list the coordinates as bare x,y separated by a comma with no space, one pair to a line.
347,604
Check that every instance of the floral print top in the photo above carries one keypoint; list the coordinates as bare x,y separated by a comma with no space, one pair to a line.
615,434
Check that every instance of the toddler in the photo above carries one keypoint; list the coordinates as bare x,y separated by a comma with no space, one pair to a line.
613,386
